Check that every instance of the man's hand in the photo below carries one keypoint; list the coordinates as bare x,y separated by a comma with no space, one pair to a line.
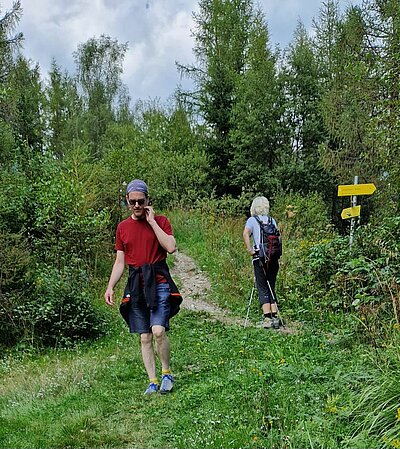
149,211
109,296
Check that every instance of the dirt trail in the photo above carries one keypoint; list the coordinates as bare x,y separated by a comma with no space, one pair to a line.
195,287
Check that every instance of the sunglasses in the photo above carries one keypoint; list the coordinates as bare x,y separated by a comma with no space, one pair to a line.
141,201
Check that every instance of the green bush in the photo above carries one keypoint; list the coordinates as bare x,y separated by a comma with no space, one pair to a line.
56,239
60,308
363,279
67,222
15,200
302,217
15,266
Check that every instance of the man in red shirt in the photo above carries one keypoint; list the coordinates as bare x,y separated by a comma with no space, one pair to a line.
151,297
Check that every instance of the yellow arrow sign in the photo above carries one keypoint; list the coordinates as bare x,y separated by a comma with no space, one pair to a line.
356,189
351,212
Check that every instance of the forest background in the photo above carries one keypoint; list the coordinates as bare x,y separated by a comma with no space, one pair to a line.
291,125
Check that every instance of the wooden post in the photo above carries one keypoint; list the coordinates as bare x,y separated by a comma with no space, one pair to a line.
353,220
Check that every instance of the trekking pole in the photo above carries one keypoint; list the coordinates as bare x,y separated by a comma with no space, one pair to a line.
251,297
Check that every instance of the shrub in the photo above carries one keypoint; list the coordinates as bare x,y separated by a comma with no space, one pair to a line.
362,279
60,308
15,260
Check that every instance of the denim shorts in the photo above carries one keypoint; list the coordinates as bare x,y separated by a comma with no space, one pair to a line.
141,318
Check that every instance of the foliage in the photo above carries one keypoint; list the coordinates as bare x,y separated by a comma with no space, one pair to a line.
50,215
61,307
362,279
9,43
166,156
234,74
26,101
63,111
302,217
99,67
15,268
256,133
66,222
300,168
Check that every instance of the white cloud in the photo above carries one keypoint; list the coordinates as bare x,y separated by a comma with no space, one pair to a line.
158,33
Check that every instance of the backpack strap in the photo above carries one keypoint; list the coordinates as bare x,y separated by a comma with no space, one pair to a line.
262,224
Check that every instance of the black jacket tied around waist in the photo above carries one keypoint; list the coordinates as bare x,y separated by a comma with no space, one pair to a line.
134,289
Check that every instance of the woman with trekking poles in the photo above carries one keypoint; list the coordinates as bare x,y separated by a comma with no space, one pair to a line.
265,252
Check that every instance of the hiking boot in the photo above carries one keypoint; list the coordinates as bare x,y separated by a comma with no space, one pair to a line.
267,323
167,383
275,322
151,389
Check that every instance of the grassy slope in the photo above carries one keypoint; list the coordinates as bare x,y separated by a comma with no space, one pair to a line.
236,387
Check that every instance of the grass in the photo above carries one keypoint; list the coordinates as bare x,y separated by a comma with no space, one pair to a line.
235,387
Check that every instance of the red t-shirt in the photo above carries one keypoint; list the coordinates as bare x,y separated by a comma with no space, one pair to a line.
138,241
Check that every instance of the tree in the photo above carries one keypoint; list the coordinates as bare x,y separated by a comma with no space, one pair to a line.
99,67
221,45
382,23
26,100
9,43
257,136
304,89
64,110
348,104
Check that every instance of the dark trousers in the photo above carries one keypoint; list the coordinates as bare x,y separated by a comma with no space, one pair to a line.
264,274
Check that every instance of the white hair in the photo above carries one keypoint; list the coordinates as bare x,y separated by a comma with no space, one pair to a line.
259,206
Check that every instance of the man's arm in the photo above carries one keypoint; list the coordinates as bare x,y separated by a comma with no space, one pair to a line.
116,273
166,241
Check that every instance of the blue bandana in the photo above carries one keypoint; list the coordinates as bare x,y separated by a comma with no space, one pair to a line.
137,185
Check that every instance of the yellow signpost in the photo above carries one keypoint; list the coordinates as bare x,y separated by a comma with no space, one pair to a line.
353,190
356,189
351,212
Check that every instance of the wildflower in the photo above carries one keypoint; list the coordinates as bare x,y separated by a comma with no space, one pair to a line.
332,409
395,443
398,415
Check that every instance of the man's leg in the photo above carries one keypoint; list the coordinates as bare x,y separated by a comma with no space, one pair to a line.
163,346
146,341
163,351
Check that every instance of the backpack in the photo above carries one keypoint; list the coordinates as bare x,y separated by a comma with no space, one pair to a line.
270,240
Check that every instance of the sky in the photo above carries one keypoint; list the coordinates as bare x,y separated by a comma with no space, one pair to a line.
158,34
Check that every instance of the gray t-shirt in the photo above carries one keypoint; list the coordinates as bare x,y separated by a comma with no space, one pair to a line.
254,227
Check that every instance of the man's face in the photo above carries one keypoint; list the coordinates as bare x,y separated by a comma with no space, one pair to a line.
137,202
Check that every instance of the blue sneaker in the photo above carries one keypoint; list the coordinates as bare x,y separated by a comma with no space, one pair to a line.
151,389
167,383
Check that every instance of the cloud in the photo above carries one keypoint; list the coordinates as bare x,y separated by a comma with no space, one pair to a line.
158,33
